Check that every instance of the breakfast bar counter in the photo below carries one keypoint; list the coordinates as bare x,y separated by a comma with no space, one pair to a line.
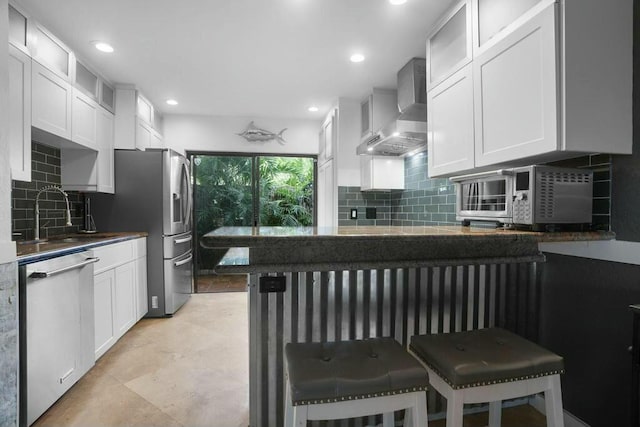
309,248
312,284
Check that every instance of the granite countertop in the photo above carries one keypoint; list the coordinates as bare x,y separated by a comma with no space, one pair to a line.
283,248
32,251
259,236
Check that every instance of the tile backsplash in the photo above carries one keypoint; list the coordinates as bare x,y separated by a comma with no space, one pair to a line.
45,170
432,201
425,201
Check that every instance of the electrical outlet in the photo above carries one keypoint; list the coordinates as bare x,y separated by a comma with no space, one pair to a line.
273,284
353,214
371,213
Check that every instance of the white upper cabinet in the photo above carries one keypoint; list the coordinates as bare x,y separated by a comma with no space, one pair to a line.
515,85
51,52
19,114
105,161
86,80
136,120
51,99
381,173
546,85
84,120
327,138
449,45
450,124
108,96
18,28
496,17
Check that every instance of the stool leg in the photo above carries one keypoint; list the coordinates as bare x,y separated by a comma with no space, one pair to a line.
387,419
419,410
553,403
495,413
288,408
455,405
300,415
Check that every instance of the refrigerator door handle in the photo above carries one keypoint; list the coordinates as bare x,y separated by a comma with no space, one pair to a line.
183,262
185,240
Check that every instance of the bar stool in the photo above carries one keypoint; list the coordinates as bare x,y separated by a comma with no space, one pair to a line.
345,379
489,365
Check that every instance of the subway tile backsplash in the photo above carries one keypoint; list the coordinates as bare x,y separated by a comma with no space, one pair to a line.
432,201
425,201
45,170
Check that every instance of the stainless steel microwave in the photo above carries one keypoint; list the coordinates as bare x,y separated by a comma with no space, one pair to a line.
534,196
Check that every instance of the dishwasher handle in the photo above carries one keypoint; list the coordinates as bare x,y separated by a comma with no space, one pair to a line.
43,274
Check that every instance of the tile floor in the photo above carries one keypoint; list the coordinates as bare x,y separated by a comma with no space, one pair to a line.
168,372
190,370
221,283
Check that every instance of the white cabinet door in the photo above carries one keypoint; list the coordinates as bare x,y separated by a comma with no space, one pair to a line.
326,195
51,101
515,93
125,296
143,135
84,120
104,304
106,182
449,47
381,173
328,136
450,124
142,305
156,140
19,114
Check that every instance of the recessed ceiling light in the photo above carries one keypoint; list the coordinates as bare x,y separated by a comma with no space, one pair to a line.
171,102
313,109
397,2
357,57
103,47
396,134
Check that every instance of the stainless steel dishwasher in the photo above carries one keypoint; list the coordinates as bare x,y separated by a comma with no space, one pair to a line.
57,347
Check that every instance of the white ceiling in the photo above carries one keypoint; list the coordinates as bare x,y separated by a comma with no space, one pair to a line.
268,58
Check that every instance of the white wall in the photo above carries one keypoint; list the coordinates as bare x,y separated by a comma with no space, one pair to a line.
7,247
218,134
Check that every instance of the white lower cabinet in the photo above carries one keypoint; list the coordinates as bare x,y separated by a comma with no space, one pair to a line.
120,291
104,303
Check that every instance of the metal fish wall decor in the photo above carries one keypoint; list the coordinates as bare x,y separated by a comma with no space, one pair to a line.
254,133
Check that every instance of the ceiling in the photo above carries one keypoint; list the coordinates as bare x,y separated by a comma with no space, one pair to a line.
266,58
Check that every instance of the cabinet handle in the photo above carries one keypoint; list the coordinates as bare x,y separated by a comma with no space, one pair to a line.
43,274
185,240
183,262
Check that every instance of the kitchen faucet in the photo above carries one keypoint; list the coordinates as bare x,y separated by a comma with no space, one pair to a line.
66,199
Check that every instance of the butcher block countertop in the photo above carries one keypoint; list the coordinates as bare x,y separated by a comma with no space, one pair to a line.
32,251
383,246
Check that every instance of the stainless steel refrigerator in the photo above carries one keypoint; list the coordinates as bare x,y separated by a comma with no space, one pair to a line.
153,194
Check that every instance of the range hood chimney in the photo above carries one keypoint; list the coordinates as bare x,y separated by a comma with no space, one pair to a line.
407,134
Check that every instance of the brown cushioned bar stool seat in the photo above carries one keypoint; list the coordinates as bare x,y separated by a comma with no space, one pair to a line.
489,365
345,379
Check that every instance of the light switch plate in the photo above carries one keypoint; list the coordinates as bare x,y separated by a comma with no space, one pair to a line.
353,214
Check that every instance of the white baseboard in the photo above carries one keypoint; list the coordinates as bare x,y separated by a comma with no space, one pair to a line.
570,420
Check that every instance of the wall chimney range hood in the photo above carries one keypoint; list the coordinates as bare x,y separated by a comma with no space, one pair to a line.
406,134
